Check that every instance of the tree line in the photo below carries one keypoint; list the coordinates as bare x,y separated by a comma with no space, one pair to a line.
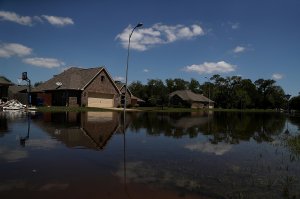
227,92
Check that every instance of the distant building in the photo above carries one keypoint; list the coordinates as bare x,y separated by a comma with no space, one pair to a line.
18,92
130,98
92,87
187,98
4,84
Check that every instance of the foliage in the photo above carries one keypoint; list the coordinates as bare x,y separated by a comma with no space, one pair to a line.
228,92
295,103
38,83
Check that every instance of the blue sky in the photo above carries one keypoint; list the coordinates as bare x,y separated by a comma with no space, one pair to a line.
180,39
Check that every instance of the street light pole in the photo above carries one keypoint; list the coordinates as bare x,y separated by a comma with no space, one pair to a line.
126,78
125,103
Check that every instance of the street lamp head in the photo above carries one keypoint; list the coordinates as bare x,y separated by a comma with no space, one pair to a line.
139,25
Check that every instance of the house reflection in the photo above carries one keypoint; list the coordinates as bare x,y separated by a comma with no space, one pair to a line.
90,130
194,119
3,125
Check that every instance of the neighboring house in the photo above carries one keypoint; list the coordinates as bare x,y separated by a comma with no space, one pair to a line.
187,98
4,84
92,87
130,98
18,92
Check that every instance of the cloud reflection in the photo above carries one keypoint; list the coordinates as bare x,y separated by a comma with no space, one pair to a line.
42,143
141,172
54,186
12,155
207,147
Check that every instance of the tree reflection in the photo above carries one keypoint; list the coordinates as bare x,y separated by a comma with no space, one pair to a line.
228,127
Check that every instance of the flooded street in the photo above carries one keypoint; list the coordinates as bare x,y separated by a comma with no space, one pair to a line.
161,155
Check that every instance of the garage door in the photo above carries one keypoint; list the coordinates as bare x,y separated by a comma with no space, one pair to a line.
100,100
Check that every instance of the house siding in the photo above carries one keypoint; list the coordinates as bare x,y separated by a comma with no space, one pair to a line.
100,84
128,97
46,98
3,92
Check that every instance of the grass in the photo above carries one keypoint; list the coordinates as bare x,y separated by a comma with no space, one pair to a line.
65,109
144,109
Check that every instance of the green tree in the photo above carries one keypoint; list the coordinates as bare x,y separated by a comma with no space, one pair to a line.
170,85
157,92
180,84
271,96
138,89
294,103
194,86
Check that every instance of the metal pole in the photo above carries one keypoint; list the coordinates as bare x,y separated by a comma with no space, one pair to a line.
126,76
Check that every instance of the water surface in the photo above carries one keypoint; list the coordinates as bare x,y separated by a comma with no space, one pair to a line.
160,155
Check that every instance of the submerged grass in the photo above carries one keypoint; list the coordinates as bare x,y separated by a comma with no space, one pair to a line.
145,109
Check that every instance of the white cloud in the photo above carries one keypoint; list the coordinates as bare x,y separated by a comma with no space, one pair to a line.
117,78
28,20
146,70
13,49
277,76
44,62
58,21
144,38
206,147
239,49
211,67
13,17
235,25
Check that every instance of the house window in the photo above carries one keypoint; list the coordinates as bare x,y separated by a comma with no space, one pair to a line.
102,78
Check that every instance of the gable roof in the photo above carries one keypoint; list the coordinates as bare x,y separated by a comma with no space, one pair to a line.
188,95
18,88
121,85
5,81
73,79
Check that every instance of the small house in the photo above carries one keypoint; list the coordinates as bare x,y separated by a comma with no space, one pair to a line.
4,84
187,98
91,87
130,98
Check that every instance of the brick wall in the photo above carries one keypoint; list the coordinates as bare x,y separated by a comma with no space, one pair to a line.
101,84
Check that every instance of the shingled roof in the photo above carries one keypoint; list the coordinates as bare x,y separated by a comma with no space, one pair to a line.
188,95
72,79
5,81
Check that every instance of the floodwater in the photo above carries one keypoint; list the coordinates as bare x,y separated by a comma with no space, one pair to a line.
161,155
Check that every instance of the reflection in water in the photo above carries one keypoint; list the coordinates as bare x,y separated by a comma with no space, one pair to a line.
86,129
172,155
207,147
12,155
24,139
228,127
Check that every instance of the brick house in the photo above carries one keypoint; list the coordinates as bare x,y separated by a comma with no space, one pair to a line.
130,98
92,87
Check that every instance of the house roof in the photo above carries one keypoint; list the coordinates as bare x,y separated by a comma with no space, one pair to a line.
188,95
18,88
121,85
72,79
5,81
